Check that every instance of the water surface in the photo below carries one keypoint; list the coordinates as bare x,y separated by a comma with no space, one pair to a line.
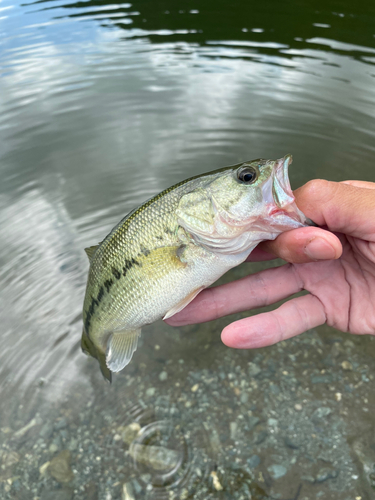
103,105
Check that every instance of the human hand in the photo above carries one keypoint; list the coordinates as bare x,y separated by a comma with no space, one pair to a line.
336,268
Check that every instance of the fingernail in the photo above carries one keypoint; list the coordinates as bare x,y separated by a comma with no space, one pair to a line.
320,249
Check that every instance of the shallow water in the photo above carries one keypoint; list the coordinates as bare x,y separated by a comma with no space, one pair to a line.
103,105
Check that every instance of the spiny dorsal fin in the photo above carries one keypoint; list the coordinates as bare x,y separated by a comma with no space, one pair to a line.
90,251
120,348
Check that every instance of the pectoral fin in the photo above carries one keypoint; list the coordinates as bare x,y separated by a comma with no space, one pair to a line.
120,348
183,303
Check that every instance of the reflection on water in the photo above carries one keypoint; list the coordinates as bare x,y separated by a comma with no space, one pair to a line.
103,105
42,277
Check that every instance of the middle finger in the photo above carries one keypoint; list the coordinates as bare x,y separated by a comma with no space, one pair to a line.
256,290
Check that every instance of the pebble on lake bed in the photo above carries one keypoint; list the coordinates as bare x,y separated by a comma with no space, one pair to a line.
320,413
10,458
157,457
127,492
150,392
215,481
59,467
253,461
325,474
130,432
346,365
253,369
21,432
277,471
43,468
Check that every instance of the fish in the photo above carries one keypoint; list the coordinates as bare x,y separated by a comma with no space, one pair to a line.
158,258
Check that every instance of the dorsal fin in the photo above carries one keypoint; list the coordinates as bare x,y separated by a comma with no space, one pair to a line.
90,251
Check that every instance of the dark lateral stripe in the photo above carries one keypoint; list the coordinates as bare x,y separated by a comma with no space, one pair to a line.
90,312
100,294
116,273
95,303
129,264
107,285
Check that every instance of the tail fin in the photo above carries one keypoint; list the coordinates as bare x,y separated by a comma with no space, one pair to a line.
89,348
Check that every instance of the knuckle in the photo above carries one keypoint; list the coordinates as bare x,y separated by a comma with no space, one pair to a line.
214,302
262,296
315,188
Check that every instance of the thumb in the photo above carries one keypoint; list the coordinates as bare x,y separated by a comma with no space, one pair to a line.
342,207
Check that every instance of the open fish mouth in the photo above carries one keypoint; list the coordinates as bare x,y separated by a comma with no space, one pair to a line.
279,198
281,189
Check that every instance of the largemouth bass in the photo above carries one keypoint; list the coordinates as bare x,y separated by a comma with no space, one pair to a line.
163,253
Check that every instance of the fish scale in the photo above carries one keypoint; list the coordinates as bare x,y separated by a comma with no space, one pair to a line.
155,261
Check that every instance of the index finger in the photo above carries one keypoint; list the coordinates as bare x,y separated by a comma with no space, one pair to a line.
342,207
360,184
257,290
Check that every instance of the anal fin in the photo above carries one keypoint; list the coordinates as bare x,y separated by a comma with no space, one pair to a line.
183,303
120,348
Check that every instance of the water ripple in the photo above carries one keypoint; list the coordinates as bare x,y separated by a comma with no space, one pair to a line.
95,118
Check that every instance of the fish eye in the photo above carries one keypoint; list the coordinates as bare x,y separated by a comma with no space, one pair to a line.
247,175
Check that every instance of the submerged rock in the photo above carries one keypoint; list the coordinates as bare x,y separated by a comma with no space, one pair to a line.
291,443
46,431
157,457
320,413
21,432
127,492
253,369
325,474
130,432
10,458
277,471
215,481
59,467
252,422
253,461
91,491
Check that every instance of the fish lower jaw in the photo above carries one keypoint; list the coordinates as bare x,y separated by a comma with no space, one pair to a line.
277,211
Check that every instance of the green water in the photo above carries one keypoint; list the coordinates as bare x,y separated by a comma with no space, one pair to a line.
103,105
